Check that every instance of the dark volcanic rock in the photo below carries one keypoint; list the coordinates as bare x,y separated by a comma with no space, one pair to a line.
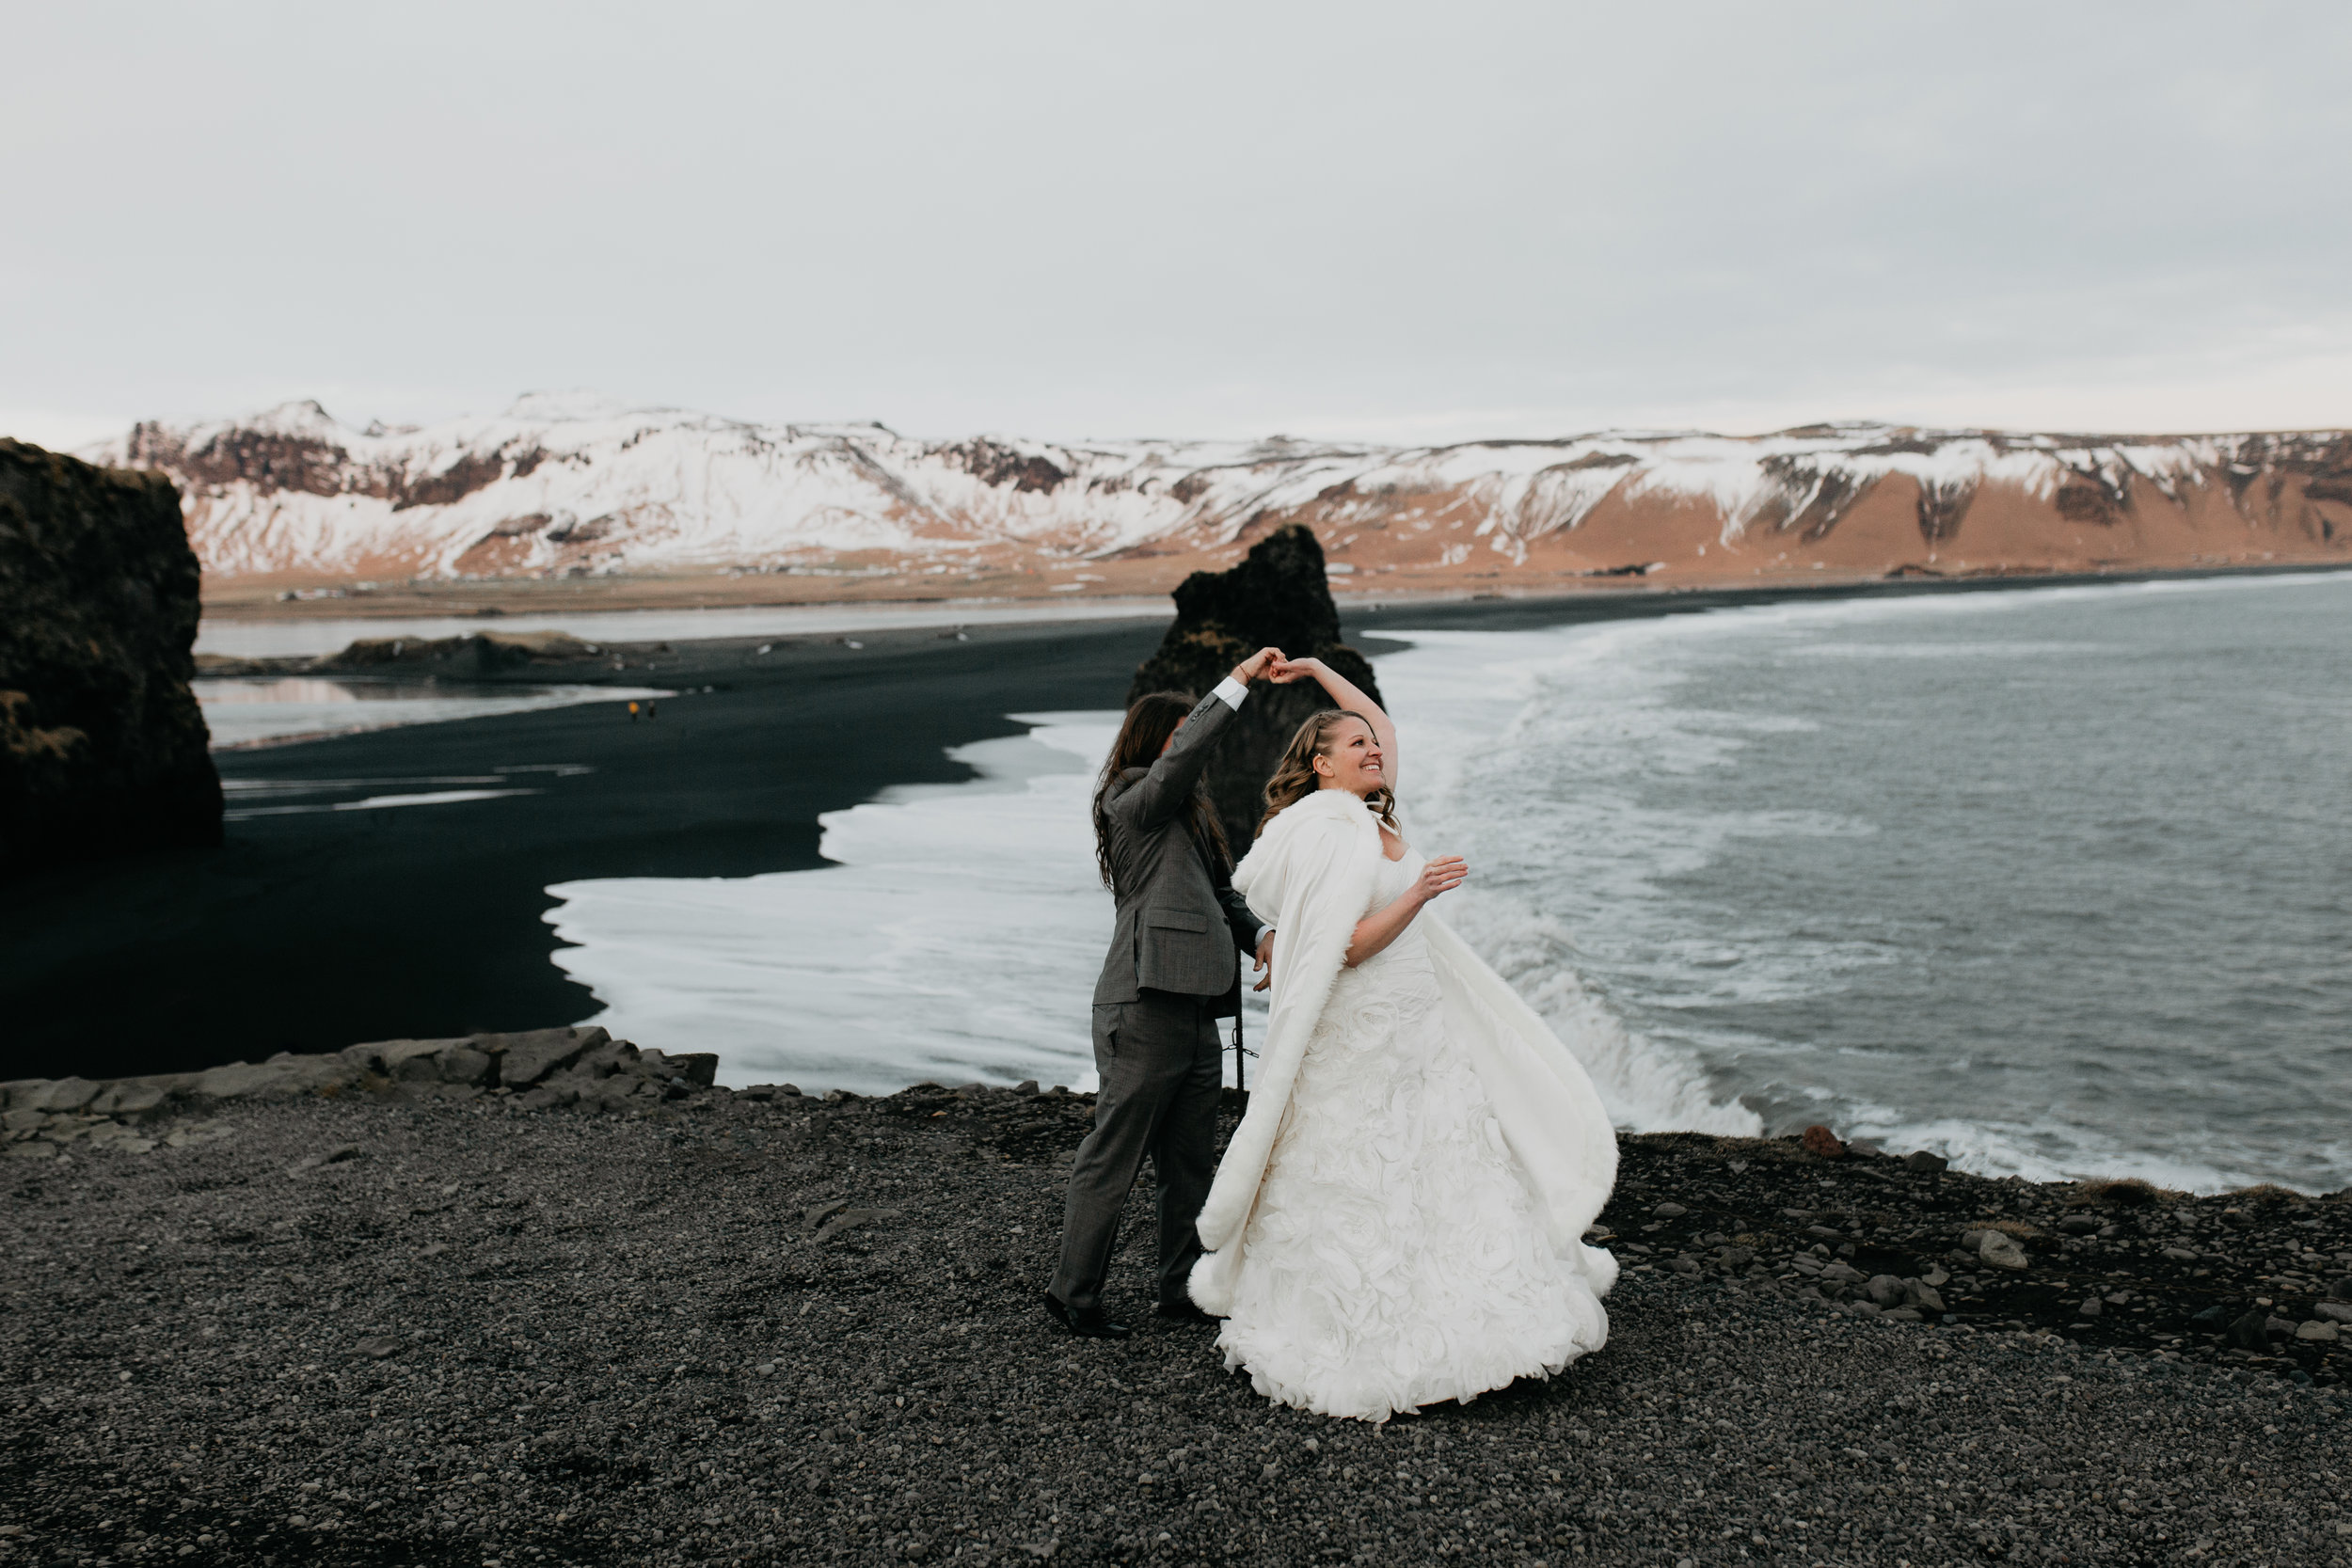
483,653
1276,597
102,749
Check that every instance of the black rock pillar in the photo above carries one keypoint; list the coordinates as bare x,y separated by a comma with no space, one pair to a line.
103,748
1280,597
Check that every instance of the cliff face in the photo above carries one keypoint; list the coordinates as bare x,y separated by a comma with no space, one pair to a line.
102,749
1276,597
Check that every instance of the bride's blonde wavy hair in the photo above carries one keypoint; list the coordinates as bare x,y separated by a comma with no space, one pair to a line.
1295,776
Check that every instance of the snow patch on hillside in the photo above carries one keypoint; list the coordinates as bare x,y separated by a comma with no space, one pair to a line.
575,481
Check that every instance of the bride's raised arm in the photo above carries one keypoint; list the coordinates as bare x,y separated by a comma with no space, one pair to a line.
1347,694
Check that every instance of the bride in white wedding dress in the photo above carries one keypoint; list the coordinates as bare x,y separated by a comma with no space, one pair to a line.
1399,1218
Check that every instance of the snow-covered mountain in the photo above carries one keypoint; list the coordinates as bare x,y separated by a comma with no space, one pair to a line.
571,484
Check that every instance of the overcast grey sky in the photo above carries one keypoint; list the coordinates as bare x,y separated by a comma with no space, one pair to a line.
1406,222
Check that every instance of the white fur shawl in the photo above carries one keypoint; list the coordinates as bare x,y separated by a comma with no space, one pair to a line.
1310,876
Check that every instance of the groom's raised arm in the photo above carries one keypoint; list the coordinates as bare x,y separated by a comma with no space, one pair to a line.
1164,791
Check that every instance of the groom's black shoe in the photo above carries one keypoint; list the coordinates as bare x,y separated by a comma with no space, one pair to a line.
1086,1325
1182,1312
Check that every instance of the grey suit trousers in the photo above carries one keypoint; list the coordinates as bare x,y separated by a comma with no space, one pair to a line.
1161,1070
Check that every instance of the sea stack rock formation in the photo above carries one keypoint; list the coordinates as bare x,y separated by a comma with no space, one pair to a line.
102,749
1276,597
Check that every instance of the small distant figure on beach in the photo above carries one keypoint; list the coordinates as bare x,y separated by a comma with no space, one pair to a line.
652,710
632,713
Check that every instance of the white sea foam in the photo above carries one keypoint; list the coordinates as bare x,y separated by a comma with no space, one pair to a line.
1467,702
379,802
240,711
958,939
1646,1088
2023,1148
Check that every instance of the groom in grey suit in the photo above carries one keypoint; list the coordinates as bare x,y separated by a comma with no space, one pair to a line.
1171,973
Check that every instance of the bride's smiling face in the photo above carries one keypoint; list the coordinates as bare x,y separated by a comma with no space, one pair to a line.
1352,761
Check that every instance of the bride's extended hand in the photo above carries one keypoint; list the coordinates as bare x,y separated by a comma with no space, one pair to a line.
1442,875
1373,933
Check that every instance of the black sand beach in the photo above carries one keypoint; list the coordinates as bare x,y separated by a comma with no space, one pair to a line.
418,1324
309,931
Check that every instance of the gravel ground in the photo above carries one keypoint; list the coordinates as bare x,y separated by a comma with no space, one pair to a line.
725,1329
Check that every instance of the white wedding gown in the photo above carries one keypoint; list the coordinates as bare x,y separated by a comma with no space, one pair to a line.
1394,1257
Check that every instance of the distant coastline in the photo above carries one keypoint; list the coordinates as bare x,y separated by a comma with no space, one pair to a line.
240,602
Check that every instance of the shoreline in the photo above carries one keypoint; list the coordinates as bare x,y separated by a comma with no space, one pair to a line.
838,622
494,599
324,635
417,1321
312,927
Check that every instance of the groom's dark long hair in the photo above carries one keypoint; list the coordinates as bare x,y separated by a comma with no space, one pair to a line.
1151,720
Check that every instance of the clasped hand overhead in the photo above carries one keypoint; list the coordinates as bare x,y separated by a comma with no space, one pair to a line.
1259,664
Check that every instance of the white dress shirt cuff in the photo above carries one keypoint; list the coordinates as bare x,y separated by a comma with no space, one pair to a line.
1230,691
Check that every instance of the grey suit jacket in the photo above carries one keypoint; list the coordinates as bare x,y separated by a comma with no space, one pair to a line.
1176,929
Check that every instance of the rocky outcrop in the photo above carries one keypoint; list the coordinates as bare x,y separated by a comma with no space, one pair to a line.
2260,1276
39,1118
1276,597
484,652
102,749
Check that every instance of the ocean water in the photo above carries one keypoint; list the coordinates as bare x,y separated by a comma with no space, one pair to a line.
242,711
2050,881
